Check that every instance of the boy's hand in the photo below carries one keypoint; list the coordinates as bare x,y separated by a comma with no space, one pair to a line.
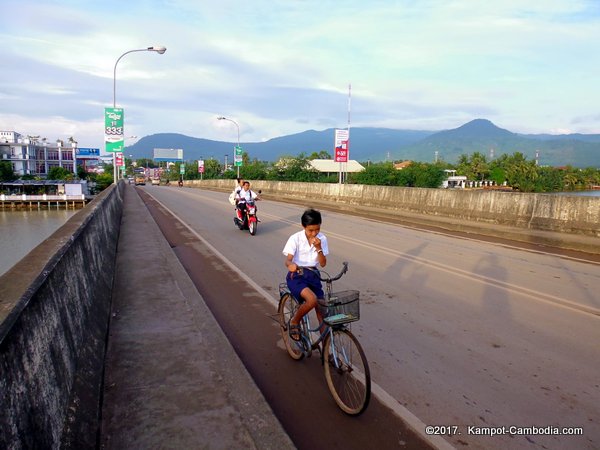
316,242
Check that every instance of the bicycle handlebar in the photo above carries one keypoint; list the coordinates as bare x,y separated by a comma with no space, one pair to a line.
337,277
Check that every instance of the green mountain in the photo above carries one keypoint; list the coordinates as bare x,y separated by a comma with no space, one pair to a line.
379,144
483,136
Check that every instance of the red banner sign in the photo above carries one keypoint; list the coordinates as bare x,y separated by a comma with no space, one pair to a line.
342,139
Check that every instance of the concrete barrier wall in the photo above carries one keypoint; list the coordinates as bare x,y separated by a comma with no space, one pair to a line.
549,212
54,315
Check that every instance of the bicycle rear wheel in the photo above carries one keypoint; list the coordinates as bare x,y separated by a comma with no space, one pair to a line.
347,371
287,308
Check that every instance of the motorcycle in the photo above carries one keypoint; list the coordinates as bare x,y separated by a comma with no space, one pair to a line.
246,217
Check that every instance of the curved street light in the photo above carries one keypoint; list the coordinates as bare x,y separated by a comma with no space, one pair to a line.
238,137
156,48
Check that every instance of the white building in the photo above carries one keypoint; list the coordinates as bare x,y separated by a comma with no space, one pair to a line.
34,156
454,181
330,166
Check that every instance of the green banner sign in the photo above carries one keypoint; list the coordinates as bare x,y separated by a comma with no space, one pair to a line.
238,155
113,129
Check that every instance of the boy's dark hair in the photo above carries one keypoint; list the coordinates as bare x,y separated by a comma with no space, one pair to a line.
238,180
311,217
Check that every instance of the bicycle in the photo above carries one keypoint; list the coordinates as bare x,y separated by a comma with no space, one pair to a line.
346,368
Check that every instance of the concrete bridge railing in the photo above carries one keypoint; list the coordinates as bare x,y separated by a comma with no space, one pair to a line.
544,212
54,315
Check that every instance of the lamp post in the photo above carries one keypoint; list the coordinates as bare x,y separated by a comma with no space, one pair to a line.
158,49
238,137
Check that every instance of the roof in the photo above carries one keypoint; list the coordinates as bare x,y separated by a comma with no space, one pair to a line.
329,165
402,165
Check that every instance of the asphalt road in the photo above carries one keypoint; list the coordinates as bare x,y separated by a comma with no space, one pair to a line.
464,334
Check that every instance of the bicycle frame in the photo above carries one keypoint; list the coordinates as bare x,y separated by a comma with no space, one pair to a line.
311,332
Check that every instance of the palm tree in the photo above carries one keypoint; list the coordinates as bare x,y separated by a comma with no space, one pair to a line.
479,166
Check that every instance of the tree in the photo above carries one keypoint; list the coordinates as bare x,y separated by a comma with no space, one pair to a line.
212,168
81,173
321,155
59,173
103,180
293,169
570,180
381,174
425,175
520,173
6,171
549,180
254,170
474,167
146,162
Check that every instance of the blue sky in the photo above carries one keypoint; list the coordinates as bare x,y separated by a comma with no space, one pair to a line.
279,67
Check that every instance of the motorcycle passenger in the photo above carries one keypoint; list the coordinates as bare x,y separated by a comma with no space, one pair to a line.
238,186
236,195
243,196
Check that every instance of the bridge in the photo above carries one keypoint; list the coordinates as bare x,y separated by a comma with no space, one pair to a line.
122,272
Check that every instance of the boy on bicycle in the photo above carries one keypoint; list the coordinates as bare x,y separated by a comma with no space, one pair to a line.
305,250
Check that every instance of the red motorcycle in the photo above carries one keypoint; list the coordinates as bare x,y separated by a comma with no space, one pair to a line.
246,216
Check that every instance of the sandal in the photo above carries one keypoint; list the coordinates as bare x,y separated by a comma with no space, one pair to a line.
295,332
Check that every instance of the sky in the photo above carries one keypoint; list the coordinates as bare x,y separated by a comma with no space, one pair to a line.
278,67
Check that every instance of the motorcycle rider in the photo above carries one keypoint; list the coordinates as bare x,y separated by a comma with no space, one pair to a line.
243,195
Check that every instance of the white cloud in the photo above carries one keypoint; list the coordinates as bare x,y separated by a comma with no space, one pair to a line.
283,66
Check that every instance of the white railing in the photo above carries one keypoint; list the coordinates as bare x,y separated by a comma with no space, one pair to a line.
43,197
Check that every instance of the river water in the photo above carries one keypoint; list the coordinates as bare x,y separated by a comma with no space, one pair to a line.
23,230
584,193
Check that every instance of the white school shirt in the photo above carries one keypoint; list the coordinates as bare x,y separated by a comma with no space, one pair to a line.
305,254
247,195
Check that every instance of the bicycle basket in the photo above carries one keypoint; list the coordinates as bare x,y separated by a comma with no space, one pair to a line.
342,307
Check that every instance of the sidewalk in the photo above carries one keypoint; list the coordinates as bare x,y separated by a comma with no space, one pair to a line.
172,380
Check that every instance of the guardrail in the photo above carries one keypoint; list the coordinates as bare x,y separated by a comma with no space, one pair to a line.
43,197
24,201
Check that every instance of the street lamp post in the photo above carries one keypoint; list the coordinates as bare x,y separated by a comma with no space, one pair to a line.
158,49
238,137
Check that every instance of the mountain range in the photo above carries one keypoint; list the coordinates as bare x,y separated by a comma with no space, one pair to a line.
380,144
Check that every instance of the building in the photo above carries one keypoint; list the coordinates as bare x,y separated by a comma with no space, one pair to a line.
330,166
402,165
30,155
454,181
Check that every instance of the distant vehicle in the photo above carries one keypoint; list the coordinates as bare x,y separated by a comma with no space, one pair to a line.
140,179
155,181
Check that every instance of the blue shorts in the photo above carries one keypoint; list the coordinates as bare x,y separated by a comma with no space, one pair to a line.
297,282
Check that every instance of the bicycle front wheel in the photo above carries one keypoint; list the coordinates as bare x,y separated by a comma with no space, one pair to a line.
347,371
287,308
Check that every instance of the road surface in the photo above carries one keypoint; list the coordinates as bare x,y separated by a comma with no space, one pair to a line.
472,337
